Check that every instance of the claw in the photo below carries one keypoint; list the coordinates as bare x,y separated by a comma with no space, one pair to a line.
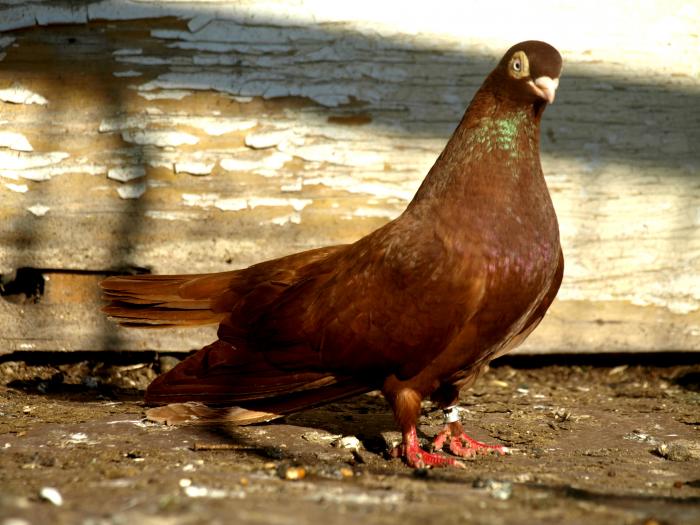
416,457
463,445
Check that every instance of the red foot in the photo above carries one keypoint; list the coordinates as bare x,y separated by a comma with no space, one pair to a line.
463,445
416,457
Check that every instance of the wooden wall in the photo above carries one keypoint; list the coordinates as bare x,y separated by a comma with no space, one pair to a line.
197,136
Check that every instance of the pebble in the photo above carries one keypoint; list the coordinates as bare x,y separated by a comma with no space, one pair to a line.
502,490
391,438
314,436
51,495
348,442
291,473
680,450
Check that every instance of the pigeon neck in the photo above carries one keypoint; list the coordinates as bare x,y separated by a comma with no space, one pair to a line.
496,145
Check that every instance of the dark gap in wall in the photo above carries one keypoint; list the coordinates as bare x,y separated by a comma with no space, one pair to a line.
27,285
24,285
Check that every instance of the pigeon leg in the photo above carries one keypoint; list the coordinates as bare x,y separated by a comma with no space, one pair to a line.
461,444
405,402
416,457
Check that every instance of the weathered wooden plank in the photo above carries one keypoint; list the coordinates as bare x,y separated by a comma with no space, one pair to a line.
203,136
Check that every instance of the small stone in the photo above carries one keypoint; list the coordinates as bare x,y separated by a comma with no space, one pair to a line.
348,442
680,450
392,439
501,490
51,495
314,436
291,473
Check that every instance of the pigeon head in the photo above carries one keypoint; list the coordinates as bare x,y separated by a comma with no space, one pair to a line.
528,72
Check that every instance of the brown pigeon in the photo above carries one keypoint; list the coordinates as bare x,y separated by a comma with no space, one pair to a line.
416,308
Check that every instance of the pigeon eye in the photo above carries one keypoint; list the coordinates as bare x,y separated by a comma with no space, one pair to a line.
519,66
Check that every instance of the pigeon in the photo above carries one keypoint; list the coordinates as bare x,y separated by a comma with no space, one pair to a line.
416,309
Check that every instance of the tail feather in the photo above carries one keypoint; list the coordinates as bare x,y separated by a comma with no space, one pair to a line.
194,413
152,301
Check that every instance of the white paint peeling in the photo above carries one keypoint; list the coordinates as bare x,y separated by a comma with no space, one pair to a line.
336,155
239,165
204,200
143,61
267,166
384,189
269,139
126,173
38,209
171,215
16,18
208,200
198,22
18,188
159,138
15,141
165,94
6,41
20,95
290,218
367,212
297,204
293,187
194,168
129,73
220,126
60,14
127,51
155,118
231,204
46,173
161,161
132,10
27,161
131,191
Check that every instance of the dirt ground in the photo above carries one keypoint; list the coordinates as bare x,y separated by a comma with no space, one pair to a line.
591,445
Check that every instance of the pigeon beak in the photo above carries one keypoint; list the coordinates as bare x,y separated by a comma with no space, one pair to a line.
545,87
